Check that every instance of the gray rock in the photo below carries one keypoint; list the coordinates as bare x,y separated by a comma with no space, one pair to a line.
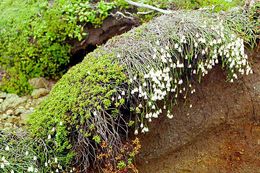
37,93
40,82
11,101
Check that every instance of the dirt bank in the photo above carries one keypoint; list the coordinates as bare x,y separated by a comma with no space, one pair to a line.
220,133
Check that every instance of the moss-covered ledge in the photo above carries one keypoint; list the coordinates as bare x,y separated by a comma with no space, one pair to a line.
133,79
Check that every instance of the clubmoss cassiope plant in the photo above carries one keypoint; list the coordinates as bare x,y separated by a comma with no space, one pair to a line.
136,78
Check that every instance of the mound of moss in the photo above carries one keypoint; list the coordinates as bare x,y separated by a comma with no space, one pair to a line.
135,78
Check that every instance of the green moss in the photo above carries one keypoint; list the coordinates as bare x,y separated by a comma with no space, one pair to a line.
67,109
33,37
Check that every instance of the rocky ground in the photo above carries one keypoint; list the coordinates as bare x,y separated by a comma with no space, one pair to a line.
14,110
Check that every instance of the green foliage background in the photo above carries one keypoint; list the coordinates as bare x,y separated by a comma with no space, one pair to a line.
33,37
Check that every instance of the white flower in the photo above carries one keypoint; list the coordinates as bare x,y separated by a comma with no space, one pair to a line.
2,166
7,148
176,46
142,125
136,132
170,116
145,129
123,93
180,82
196,44
46,164
55,160
190,105
26,153
34,158
155,115
30,169
12,171
235,76
61,123
49,136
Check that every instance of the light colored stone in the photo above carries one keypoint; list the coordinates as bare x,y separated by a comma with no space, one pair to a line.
37,93
11,101
40,82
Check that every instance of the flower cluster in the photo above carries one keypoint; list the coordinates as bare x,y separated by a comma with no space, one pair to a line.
175,65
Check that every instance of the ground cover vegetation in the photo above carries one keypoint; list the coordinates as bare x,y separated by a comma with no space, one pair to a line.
34,35
89,119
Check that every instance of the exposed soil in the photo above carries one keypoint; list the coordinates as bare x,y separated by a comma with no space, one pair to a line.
219,134
227,149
